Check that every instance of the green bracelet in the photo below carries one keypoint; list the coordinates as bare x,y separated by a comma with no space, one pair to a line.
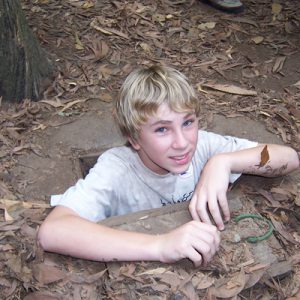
255,239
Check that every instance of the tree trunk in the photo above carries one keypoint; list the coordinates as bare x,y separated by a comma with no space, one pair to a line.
24,67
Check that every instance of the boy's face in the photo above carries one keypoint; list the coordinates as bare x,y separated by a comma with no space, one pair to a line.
167,141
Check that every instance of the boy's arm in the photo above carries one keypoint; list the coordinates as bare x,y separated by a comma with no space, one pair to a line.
65,232
210,192
281,160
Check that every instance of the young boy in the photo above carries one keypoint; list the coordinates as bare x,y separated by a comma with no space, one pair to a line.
169,160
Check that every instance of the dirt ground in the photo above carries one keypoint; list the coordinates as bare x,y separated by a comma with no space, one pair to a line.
245,69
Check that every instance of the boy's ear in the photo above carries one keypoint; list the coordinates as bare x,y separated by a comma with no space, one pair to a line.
134,144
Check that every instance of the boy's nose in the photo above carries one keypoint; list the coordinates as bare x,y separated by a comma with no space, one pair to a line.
180,140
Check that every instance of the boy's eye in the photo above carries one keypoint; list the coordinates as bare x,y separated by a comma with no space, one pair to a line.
161,129
188,122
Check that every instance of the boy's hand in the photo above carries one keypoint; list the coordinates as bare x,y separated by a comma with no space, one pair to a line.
210,193
194,240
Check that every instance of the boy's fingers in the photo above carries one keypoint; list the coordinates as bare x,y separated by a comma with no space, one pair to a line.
201,209
203,213
195,257
192,209
199,212
207,251
212,237
207,233
216,214
224,206
203,242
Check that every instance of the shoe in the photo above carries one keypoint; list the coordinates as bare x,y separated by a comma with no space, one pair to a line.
230,6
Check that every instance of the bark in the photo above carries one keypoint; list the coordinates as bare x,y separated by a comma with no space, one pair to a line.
24,66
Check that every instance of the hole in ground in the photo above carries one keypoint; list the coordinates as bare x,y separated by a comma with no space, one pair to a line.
85,161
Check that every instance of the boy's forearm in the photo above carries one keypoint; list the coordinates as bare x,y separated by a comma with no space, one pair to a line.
84,239
274,160
65,232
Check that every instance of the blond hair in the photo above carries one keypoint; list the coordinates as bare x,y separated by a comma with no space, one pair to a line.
145,89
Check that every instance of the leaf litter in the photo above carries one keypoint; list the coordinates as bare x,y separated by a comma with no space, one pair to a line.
95,44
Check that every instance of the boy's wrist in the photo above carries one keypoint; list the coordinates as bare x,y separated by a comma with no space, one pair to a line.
222,159
156,249
150,248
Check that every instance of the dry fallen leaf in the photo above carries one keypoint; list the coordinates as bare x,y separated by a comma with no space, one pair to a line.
54,103
14,262
257,267
108,31
98,28
119,33
41,295
188,290
231,287
202,281
159,18
294,111
7,216
282,231
280,191
241,20
78,278
100,49
105,97
269,197
296,297
78,43
159,287
153,271
297,200
170,278
276,8
146,48
296,237
264,157
231,89
88,4
257,39
105,71
46,274
297,84
70,104
8,203
4,248
207,25
279,64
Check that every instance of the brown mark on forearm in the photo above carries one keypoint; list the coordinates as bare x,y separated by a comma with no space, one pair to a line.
269,171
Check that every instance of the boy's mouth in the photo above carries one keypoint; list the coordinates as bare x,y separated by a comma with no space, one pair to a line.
181,159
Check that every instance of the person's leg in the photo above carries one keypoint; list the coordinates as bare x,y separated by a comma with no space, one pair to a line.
230,6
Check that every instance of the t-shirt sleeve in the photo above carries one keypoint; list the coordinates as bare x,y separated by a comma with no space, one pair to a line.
92,197
211,144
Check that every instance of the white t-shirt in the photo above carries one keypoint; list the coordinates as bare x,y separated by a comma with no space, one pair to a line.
119,183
